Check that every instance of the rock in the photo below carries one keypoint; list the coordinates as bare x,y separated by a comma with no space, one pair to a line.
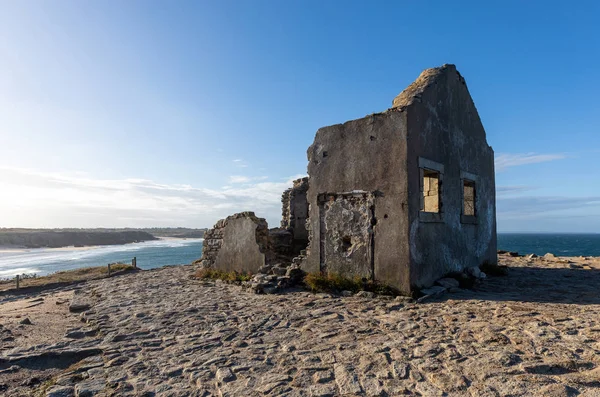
531,256
513,254
295,274
399,370
346,380
448,283
60,391
279,271
549,256
25,321
89,387
365,294
224,375
76,334
475,272
78,305
346,293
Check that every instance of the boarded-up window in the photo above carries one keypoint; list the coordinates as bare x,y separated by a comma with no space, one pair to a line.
430,198
468,197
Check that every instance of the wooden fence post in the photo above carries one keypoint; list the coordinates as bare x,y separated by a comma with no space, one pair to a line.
17,281
134,262
109,269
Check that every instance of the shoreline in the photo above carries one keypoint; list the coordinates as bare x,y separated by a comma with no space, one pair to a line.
7,249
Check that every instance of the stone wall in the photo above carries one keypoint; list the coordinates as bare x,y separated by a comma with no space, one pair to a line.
294,210
240,242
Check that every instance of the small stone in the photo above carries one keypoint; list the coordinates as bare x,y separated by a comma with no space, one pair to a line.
323,376
549,256
25,321
365,294
89,387
60,391
346,293
225,375
346,380
75,334
78,306
279,271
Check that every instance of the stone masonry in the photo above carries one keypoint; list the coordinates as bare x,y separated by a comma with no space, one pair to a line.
240,242
295,211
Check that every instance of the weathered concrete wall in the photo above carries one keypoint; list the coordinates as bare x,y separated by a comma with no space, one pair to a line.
369,155
240,242
347,233
444,127
294,210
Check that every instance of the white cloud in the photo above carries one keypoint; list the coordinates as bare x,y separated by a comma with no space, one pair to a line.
238,160
506,160
32,198
246,179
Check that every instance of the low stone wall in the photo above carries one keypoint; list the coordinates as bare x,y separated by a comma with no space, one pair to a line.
239,242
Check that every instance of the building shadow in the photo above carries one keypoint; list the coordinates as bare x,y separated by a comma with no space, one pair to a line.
534,284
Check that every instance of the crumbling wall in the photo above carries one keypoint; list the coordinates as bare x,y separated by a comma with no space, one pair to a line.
294,210
238,243
347,233
368,155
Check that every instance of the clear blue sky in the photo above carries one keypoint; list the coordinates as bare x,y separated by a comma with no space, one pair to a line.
141,113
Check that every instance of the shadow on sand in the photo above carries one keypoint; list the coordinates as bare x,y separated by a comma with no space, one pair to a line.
542,285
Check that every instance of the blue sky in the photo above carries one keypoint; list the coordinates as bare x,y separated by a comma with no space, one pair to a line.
144,113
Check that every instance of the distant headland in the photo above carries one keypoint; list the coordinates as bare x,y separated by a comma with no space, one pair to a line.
57,238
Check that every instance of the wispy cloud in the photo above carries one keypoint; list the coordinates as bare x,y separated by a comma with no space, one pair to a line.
506,160
241,163
506,190
535,206
37,199
246,179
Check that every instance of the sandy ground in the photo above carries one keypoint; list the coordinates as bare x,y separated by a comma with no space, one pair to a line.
534,332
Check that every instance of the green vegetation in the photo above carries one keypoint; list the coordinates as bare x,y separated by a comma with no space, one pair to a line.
335,283
231,277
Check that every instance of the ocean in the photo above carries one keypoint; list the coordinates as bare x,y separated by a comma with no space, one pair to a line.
152,254
149,254
557,244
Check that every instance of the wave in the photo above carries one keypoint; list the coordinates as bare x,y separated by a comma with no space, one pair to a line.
19,270
56,257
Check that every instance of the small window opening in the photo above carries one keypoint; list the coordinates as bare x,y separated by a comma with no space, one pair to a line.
468,197
431,191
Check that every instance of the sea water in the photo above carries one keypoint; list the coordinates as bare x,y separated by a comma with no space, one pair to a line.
149,254
557,244
152,254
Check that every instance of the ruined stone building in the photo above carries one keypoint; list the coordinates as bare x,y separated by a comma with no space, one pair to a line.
403,197
407,195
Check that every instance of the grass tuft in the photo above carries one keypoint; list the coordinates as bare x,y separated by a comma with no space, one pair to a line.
67,276
333,282
213,274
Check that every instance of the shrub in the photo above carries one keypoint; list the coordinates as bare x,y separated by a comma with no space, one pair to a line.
213,274
333,282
